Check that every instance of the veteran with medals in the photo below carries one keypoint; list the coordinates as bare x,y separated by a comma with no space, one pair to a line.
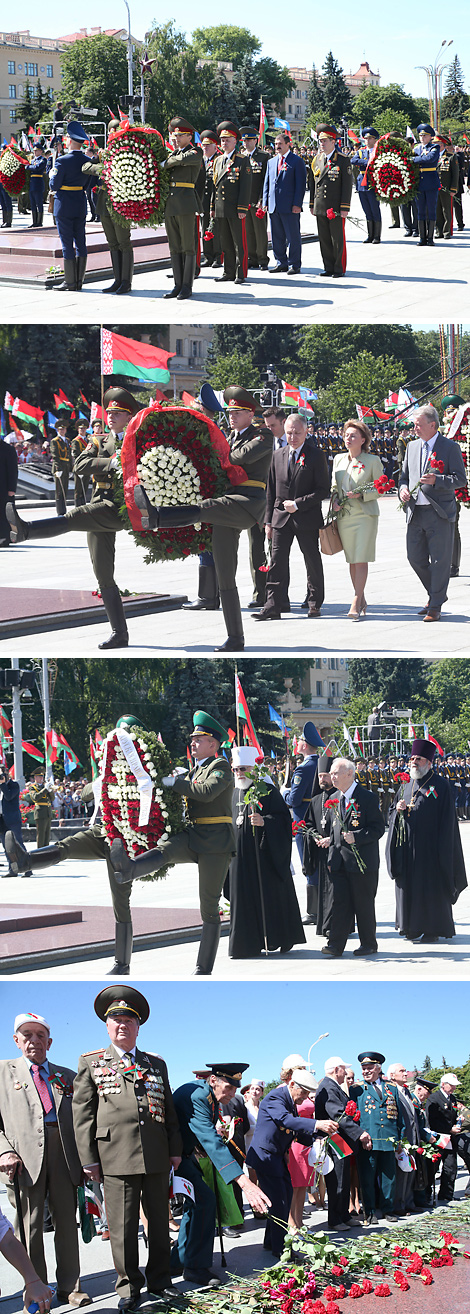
381,1116
232,179
331,181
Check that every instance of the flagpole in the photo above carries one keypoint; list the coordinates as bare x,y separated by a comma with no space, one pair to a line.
17,731
47,713
236,705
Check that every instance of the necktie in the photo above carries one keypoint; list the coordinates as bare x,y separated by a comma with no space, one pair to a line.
279,164
343,806
424,456
291,465
41,1087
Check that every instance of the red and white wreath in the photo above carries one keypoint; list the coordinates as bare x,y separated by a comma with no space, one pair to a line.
135,807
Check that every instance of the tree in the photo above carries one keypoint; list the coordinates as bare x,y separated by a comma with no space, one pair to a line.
235,366
374,101
365,380
94,72
448,687
225,42
337,96
25,110
316,99
323,348
401,680
177,85
266,343
455,100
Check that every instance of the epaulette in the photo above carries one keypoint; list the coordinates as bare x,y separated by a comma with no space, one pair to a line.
101,1050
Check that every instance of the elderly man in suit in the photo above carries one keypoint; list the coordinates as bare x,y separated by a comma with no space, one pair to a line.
283,193
432,470
298,481
442,1114
128,1137
37,1144
330,1102
355,828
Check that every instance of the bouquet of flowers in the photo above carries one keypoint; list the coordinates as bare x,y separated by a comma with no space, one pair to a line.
457,426
136,184
393,171
124,817
351,818
13,163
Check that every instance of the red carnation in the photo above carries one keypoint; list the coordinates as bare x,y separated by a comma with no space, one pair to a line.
367,1286
330,803
382,1290
336,1270
355,1291
342,1260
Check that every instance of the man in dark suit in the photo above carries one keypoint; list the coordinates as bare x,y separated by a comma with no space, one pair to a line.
330,1102
8,482
10,815
283,194
432,469
297,482
442,1112
356,827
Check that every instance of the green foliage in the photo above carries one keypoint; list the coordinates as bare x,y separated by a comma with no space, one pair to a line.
323,348
253,79
316,100
456,128
94,72
35,105
455,100
225,42
463,1074
176,85
374,101
267,344
448,686
366,379
337,97
391,121
235,366
392,680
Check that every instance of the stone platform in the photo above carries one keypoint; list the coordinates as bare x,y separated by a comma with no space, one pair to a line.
15,918
29,610
30,256
36,936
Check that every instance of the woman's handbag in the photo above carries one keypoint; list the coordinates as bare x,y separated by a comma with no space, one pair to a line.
330,541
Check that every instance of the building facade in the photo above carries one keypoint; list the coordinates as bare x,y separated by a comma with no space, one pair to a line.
295,108
25,58
322,694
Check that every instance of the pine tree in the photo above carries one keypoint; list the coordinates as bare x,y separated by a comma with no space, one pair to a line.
455,100
337,96
25,109
316,98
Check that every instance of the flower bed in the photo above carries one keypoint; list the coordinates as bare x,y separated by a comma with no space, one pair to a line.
120,796
393,171
137,187
13,163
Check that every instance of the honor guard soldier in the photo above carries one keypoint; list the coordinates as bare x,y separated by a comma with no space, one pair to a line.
256,225
209,840
36,172
41,796
448,171
68,185
61,463
381,1116
211,252
366,193
118,236
427,155
251,449
299,796
362,774
331,181
183,166
78,445
232,178
128,1137
99,519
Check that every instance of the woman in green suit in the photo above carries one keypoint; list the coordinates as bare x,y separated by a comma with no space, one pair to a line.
358,518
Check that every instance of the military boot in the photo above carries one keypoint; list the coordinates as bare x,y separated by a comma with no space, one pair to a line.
70,278
20,530
188,277
21,859
177,267
116,261
208,598
208,947
122,949
159,517
370,232
128,869
127,272
112,603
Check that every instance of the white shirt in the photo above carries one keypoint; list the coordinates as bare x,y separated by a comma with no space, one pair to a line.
420,498
122,1052
348,793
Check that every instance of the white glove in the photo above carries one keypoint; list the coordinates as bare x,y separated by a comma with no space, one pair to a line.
168,780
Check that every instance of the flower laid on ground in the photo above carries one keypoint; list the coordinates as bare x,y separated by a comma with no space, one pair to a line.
121,797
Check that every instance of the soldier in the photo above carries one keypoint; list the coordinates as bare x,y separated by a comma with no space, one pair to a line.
232,178
427,155
448,173
251,449
41,797
209,840
256,225
118,236
331,181
382,1117
128,1137
36,172
68,185
366,193
362,774
61,463
78,445
210,233
184,166
100,518
299,796
6,204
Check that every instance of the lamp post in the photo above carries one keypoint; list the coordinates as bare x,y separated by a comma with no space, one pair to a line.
130,78
434,76
322,1037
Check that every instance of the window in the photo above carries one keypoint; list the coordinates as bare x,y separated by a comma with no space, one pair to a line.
297,95
319,688
12,91
289,109
12,116
196,347
318,663
31,70
11,66
49,71
179,346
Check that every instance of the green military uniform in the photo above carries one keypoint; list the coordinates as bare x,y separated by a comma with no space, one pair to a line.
256,227
210,231
362,774
382,1118
232,179
448,170
331,183
41,798
118,236
388,791
81,482
125,1121
61,463
184,167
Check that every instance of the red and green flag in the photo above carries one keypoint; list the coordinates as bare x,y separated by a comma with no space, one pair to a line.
244,715
262,124
95,771
341,1147
134,360
28,414
52,744
32,750
70,757
5,724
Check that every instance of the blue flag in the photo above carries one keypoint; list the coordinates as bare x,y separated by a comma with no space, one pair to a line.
276,717
282,124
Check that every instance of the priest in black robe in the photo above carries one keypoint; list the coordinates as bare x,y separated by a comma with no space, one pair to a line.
424,851
315,863
269,889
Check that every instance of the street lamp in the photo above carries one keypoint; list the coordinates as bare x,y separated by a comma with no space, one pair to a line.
130,79
323,1037
434,76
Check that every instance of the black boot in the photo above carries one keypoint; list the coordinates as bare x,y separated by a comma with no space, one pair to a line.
188,277
52,527
70,278
233,620
370,232
21,859
208,946
310,918
40,218
208,598
159,517
177,267
34,217
127,272
112,603
377,227
128,869
122,949
423,240
8,221
81,267
430,233
116,261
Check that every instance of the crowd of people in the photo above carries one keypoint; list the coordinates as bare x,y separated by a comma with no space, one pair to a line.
377,1144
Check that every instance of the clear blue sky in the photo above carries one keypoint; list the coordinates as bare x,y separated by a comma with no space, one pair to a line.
199,1022
394,39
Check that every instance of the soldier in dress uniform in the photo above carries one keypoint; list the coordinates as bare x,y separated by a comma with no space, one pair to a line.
100,518
36,172
251,449
366,193
331,181
128,1137
381,1116
118,236
209,840
448,172
299,796
362,774
184,166
68,185
427,155
256,225
232,178
61,463
211,252
77,446
41,796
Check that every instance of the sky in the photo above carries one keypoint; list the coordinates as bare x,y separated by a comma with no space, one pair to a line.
397,40
194,1023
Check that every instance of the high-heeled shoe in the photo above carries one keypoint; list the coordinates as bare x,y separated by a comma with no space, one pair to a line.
354,612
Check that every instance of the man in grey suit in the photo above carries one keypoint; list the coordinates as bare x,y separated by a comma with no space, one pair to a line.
432,469
37,1143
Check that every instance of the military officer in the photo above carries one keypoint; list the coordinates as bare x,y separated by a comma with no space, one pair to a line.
41,797
209,840
37,1147
251,450
6,204
299,796
197,1109
381,1116
184,166
99,519
256,225
61,463
427,155
128,1137
362,774
366,193
36,172
118,235
331,180
232,178
448,172
77,447
68,185
210,232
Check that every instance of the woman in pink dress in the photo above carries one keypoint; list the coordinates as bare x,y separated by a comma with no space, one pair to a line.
301,1171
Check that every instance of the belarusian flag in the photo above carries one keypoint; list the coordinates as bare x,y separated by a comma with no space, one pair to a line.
8,403
33,752
95,771
292,396
97,413
411,730
23,411
352,136
358,740
135,360
5,724
262,124
340,1146
52,743
70,757
242,712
